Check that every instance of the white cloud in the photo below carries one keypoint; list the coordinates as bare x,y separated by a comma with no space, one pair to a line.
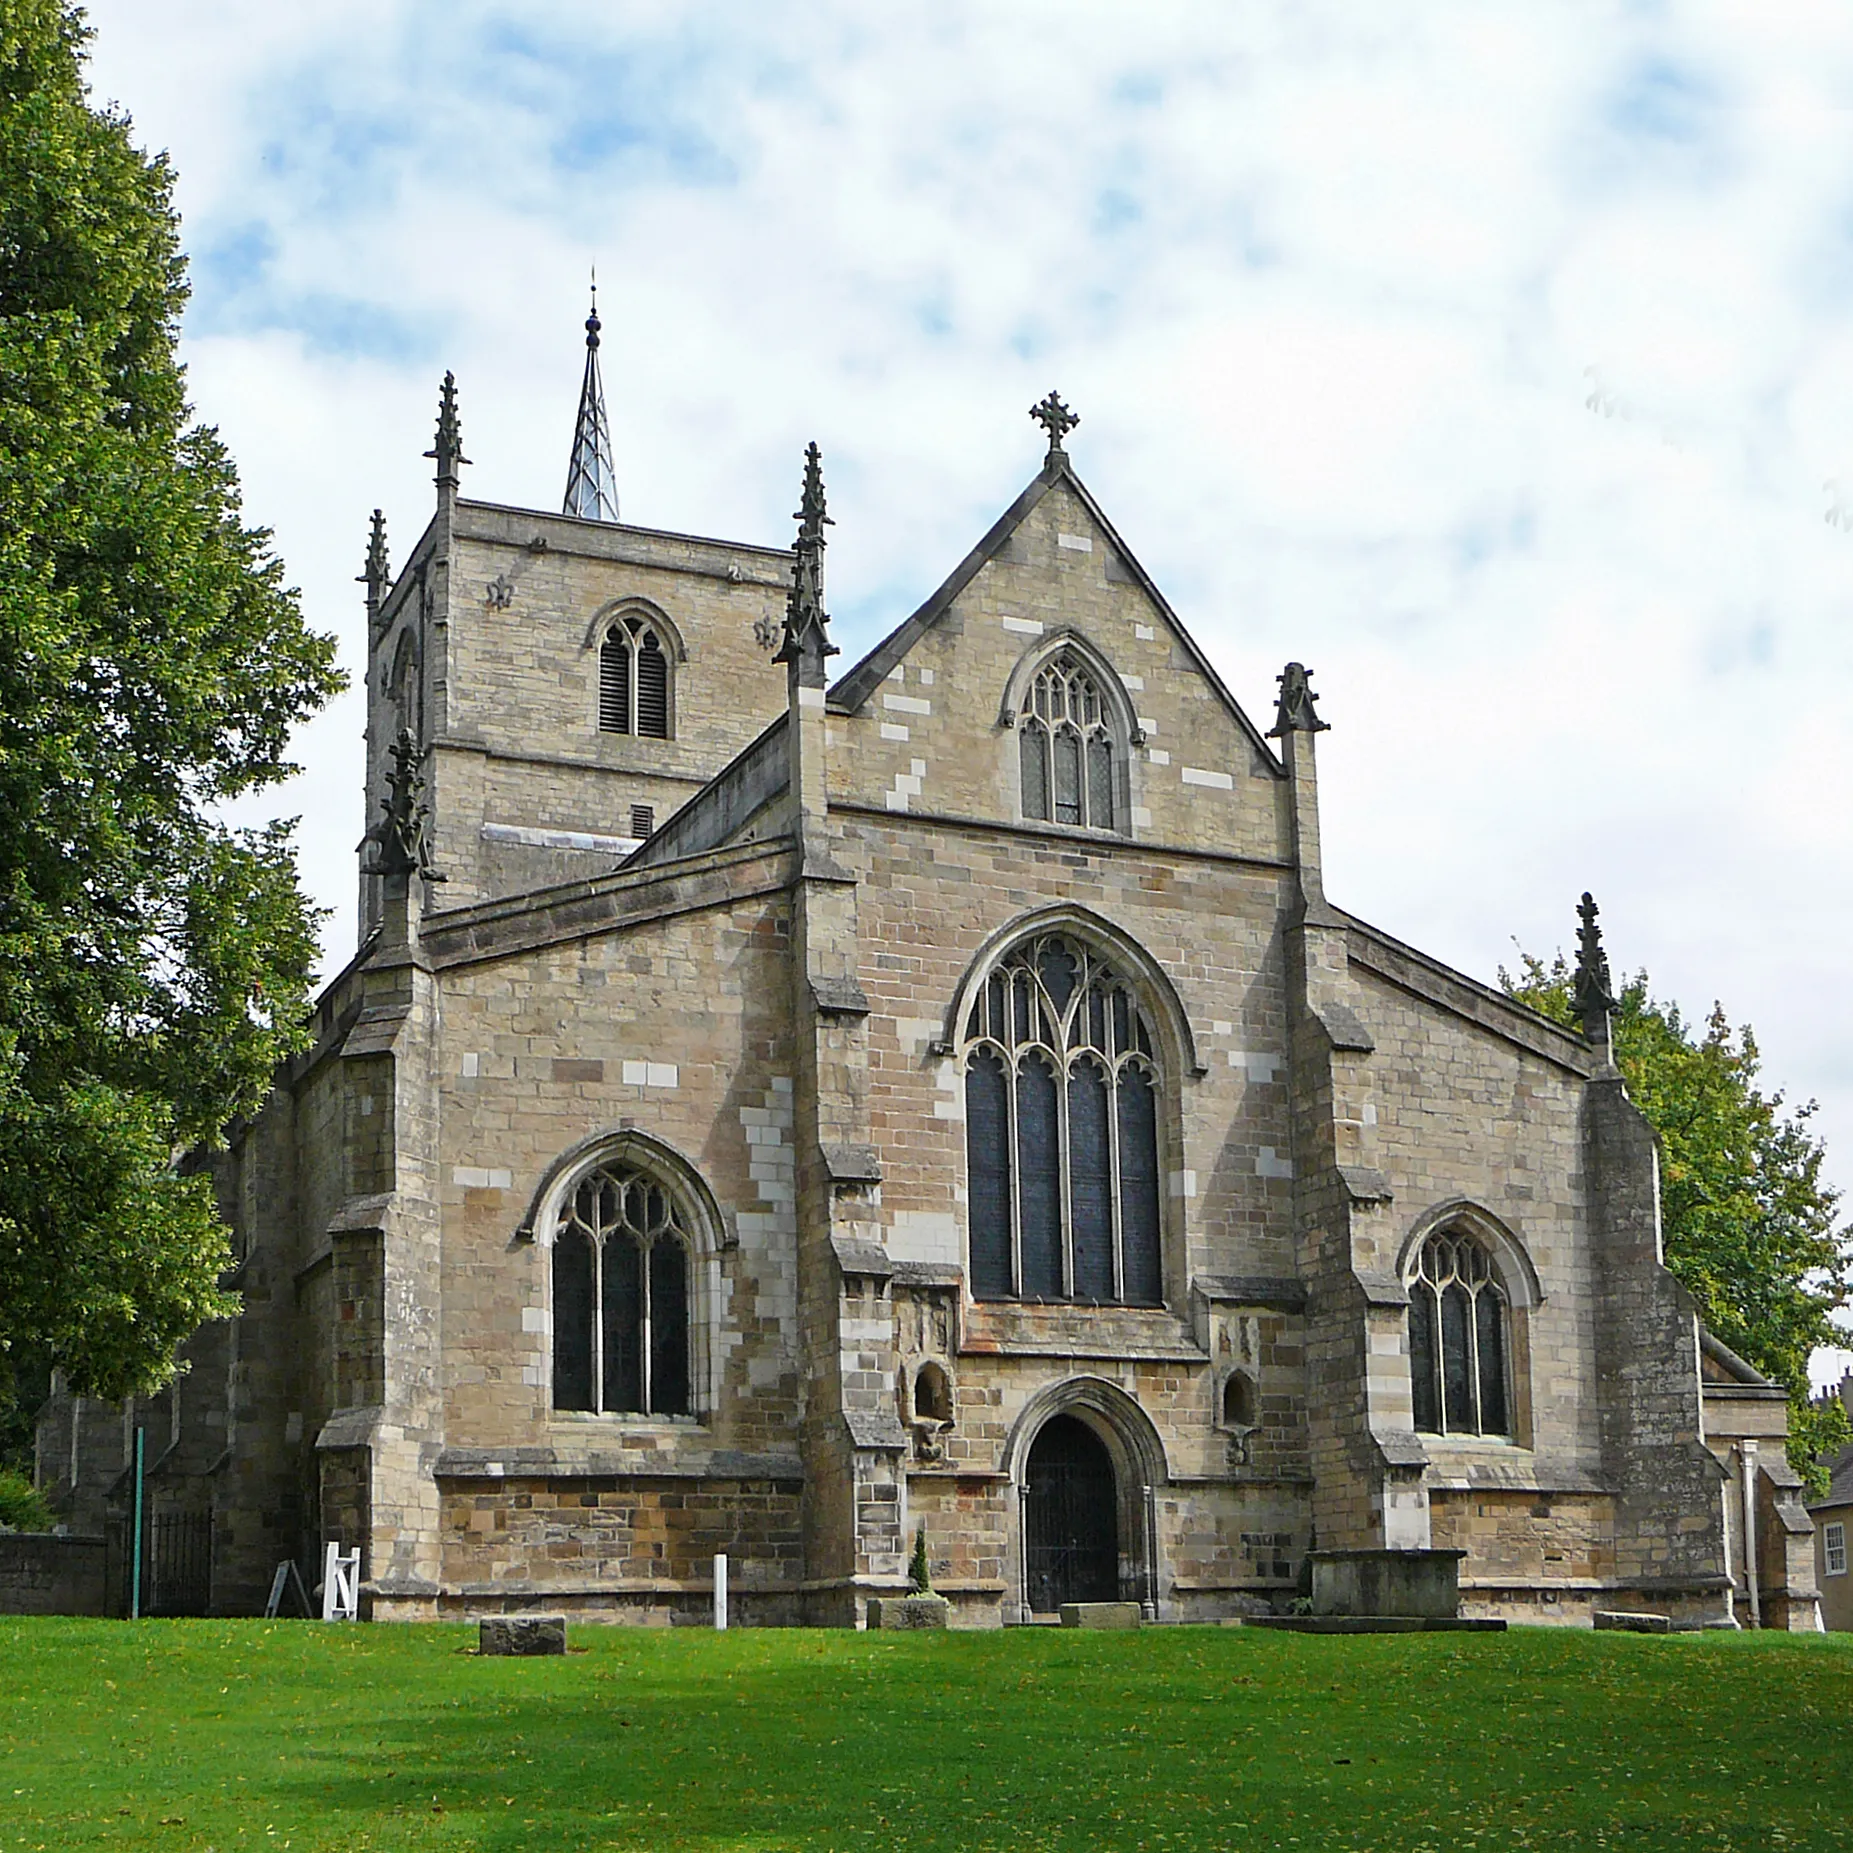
1332,288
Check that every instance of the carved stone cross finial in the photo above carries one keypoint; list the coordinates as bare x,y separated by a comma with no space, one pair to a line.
1294,712
1593,997
1056,419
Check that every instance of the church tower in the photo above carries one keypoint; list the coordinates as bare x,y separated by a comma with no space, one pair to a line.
572,681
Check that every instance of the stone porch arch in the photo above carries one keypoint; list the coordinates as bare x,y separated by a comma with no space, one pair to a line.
1140,1472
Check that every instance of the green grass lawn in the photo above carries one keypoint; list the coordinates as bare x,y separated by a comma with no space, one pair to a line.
194,1735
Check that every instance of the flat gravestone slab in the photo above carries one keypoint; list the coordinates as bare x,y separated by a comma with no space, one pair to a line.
909,1612
1100,1615
522,1634
1627,1622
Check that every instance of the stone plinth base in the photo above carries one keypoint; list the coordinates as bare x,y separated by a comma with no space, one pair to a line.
1100,1614
1380,1583
522,1634
1627,1622
909,1611
1377,1624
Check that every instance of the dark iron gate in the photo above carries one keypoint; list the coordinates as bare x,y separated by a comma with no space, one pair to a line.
177,1573
1070,1518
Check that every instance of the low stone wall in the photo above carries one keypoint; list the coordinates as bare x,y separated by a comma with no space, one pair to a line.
43,1574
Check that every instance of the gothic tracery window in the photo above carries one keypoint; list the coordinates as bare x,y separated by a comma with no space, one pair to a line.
633,680
1061,1126
1457,1339
1065,739
621,1269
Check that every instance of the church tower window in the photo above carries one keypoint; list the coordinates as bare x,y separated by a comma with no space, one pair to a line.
1069,759
621,1277
633,681
1457,1339
1061,1126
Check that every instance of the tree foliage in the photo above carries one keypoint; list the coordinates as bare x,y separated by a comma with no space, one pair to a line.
1749,1227
154,962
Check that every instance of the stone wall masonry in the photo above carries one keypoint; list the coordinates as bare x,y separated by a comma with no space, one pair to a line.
622,1548
930,901
1669,1513
516,729
677,1031
931,739
42,1574
1450,1113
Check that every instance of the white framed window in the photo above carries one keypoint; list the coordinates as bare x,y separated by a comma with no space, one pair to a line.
1834,1548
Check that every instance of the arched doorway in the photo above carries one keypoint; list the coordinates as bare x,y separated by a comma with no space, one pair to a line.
1070,1517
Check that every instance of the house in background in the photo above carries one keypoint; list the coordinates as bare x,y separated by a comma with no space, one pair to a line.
1833,1521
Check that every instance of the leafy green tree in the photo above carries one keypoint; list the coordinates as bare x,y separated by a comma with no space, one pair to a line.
1748,1224
154,962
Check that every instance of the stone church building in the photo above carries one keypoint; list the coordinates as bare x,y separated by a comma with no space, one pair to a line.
772,1111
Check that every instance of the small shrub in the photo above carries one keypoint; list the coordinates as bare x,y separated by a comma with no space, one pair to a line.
22,1505
918,1572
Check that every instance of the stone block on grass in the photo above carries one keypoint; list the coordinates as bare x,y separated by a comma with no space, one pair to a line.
1626,1621
928,1611
522,1634
1100,1614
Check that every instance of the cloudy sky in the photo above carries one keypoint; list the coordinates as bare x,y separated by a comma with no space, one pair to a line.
1495,360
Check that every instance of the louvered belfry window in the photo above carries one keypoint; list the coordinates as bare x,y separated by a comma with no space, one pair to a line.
1061,1127
1066,742
633,681
1457,1339
621,1298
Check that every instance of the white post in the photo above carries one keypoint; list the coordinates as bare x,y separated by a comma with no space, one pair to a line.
1747,1452
720,1592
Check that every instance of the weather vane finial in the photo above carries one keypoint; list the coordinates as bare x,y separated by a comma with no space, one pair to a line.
1056,419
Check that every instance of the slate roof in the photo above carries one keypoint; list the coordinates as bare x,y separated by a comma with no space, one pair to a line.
1840,1482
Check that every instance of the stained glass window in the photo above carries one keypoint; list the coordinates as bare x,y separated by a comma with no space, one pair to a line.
1061,1127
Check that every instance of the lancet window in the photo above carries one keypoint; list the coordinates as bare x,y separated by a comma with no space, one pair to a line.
621,1271
633,680
1069,755
1061,1126
1458,1316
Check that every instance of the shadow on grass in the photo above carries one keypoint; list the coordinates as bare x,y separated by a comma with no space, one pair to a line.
1177,1739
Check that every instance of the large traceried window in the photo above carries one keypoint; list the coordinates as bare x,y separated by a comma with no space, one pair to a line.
1069,756
633,680
621,1271
1061,1127
1457,1339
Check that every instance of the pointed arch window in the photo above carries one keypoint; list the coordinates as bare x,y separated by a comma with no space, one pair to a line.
622,1267
1458,1339
1061,1126
634,680
1070,759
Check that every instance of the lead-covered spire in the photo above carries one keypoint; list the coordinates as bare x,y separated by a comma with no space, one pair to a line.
591,478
